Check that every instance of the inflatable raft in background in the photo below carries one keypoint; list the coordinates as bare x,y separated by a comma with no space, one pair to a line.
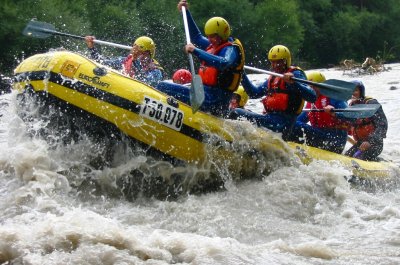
163,125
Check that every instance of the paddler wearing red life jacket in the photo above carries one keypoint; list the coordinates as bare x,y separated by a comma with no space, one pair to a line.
368,132
222,61
325,130
139,64
283,98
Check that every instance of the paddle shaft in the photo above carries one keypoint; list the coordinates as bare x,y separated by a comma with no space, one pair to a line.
337,89
334,110
358,111
185,24
372,108
281,75
197,94
81,37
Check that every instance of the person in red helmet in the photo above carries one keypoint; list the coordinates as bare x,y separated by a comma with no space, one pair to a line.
182,76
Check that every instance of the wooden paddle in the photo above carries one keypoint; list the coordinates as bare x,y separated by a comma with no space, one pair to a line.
358,111
38,29
332,88
197,90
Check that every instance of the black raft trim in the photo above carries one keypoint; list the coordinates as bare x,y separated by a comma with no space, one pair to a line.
98,94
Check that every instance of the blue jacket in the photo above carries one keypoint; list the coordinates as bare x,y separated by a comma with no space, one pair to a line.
228,56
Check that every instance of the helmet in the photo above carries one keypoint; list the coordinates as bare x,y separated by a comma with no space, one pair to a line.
146,44
316,76
219,26
280,52
182,76
361,86
243,96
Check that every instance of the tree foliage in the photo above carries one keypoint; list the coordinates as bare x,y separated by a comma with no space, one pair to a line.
318,32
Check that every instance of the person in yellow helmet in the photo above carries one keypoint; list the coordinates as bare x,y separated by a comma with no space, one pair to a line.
317,125
222,62
283,98
139,64
239,99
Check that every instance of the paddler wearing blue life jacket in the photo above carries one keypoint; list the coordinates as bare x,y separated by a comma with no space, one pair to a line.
368,133
139,64
222,61
283,97
327,129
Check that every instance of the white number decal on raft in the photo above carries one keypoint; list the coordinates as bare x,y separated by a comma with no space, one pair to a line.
162,113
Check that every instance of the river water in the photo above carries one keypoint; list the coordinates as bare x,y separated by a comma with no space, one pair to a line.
295,215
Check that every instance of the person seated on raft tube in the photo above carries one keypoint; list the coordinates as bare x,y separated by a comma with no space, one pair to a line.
325,130
222,61
139,64
284,98
239,99
368,132
182,76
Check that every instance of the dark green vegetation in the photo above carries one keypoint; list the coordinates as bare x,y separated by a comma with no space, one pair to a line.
318,32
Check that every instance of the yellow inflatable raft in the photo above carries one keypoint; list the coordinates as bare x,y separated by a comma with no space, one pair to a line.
161,122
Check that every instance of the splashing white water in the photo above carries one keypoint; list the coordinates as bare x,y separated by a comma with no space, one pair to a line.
295,215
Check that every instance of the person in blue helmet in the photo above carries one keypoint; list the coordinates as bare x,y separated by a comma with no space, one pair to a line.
222,62
139,64
283,97
368,133
326,129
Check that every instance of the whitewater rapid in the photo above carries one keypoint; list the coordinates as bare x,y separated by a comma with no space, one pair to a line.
296,215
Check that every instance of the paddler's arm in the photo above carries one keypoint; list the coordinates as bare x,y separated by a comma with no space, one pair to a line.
303,117
307,93
96,55
339,104
195,34
381,125
252,90
229,57
93,51
380,121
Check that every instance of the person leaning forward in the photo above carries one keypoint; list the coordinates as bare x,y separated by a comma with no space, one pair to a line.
367,132
139,64
283,97
222,61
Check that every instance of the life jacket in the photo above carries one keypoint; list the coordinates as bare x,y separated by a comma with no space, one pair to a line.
363,128
323,119
279,98
130,71
228,79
